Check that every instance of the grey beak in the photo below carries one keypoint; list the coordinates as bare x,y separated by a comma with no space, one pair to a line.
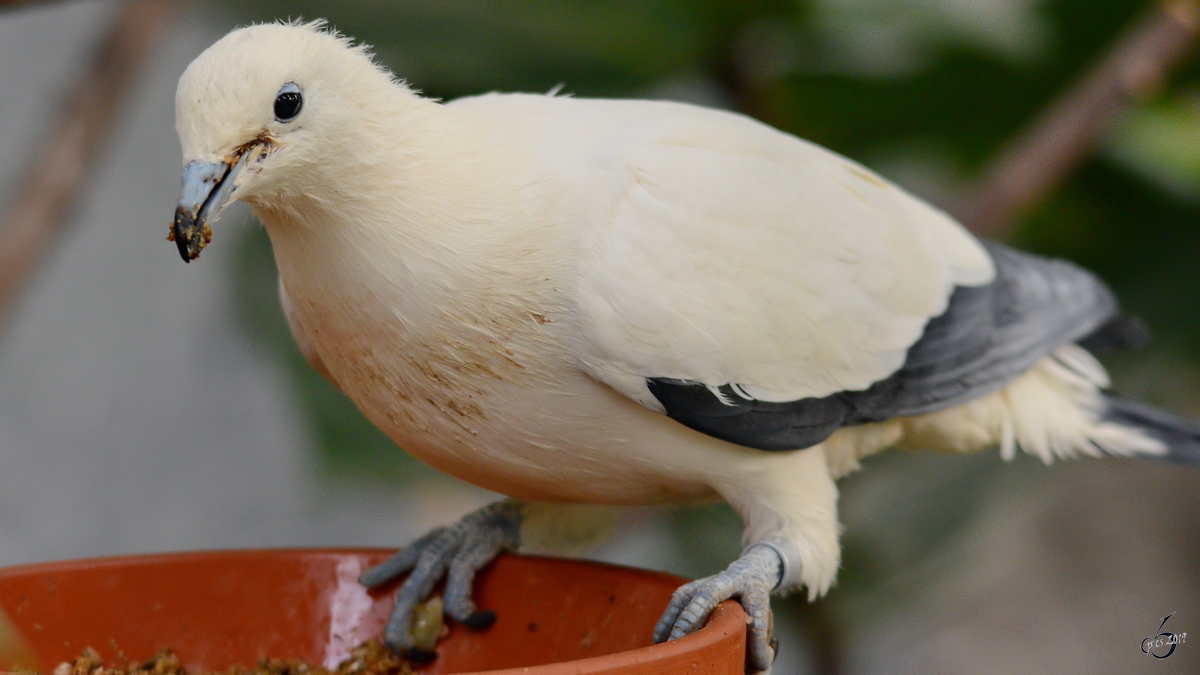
206,189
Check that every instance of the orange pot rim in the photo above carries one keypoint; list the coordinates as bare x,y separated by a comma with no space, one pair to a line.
729,617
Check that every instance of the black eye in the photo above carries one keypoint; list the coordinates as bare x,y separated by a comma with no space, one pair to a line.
288,102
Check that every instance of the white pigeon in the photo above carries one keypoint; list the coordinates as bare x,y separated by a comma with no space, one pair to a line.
607,302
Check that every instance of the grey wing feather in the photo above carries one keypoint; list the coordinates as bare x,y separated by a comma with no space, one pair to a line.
991,334
987,337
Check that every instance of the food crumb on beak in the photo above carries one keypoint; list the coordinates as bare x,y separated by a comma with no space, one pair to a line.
206,235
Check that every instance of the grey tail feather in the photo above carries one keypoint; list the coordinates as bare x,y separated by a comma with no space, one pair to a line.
1180,434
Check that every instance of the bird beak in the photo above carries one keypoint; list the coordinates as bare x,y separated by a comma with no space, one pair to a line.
207,187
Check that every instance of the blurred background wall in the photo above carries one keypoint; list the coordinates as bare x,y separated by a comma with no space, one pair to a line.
137,415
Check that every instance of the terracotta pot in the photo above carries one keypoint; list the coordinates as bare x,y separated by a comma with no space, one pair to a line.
216,609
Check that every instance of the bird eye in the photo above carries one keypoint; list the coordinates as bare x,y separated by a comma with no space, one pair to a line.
288,102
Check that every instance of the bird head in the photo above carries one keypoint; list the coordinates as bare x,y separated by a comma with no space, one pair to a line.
261,111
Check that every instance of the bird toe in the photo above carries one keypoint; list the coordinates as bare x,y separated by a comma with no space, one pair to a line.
749,579
455,553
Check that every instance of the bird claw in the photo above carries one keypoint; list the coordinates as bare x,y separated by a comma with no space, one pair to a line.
455,553
750,579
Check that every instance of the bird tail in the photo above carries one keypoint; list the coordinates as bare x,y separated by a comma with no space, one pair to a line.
1123,331
1179,434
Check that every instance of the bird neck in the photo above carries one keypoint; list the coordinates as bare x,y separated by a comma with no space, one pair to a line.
416,214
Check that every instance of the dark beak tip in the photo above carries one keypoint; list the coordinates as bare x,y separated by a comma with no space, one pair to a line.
181,241
186,251
207,187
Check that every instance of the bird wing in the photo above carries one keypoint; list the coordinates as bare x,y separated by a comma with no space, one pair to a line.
744,282
987,337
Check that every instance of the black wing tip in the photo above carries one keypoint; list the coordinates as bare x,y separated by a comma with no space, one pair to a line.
751,423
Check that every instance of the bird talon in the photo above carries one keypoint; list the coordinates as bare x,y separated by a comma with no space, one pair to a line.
480,620
420,656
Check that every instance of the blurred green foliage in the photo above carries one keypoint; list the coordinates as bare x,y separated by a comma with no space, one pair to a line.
926,91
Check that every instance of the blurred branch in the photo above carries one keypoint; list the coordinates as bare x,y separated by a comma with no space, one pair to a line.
1044,153
58,169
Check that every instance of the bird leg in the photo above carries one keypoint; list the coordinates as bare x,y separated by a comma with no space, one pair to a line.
750,579
789,503
455,552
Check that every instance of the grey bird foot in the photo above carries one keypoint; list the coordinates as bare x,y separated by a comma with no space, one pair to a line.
456,552
750,579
